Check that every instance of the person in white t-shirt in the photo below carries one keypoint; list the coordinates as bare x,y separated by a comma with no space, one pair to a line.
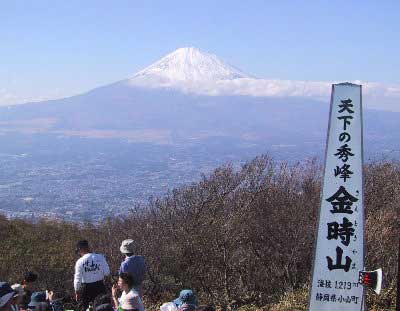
130,298
90,272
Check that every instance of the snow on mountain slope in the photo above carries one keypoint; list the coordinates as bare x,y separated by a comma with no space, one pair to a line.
189,64
192,71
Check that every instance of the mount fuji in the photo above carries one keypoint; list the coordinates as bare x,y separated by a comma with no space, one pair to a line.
186,65
189,95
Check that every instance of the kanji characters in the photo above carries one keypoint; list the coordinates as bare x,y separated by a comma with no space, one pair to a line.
346,106
344,152
338,264
344,230
342,201
343,171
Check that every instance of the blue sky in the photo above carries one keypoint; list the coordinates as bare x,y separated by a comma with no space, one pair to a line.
59,48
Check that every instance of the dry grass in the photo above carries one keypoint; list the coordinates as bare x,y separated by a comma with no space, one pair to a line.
298,301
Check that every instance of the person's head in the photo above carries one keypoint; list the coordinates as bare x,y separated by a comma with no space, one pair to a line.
127,247
82,247
205,308
36,299
186,296
19,293
6,296
125,281
29,278
101,300
43,306
104,307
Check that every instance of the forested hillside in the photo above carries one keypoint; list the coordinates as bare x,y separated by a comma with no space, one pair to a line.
238,237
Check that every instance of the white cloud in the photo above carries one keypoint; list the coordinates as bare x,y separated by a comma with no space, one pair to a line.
9,98
375,95
6,97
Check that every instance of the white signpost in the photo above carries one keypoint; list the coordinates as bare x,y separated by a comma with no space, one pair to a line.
339,253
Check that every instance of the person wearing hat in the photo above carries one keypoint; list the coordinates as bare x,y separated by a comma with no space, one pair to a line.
6,296
186,301
17,299
134,265
90,272
37,298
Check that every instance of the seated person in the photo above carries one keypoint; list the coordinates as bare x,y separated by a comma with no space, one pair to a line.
186,301
17,299
45,301
103,303
28,284
6,296
130,299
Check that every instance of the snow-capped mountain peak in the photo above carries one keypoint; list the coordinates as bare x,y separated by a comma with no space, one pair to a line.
187,64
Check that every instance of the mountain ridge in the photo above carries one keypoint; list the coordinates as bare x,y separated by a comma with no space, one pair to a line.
190,64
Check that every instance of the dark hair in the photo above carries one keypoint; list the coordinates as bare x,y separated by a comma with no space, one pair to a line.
42,306
82,245
101,300
205,308
104,307
129,254
127,278
30,277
